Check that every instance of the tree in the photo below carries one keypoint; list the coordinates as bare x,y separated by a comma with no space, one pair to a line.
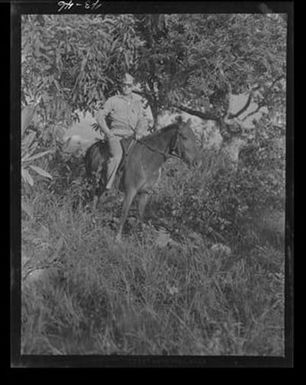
195,62
74,61
184,62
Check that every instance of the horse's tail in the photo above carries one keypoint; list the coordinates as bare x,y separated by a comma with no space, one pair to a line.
95,159
95,156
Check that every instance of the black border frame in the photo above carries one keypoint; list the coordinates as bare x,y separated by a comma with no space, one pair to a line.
20,7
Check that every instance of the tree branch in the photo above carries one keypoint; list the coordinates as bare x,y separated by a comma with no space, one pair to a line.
209,115
263,102
275,81
247,104
229,89
259,106
244,108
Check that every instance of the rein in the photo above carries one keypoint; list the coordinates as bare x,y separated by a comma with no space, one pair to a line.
161,152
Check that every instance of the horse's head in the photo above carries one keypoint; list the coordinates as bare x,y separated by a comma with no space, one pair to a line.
185,146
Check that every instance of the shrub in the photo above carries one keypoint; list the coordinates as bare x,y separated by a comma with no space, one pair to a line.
146,296
216,202
141,298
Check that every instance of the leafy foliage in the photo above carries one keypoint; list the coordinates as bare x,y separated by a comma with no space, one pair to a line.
74,62
215,202
143,297
171,294
180,62
29,154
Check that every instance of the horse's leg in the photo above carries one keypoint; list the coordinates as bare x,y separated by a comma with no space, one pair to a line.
99,187
97,196
143,200
128,199
145,193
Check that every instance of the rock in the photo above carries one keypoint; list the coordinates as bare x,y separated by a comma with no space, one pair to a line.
219,248
76,143
163,238
38,276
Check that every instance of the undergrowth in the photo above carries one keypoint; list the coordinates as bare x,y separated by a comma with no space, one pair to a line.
164,290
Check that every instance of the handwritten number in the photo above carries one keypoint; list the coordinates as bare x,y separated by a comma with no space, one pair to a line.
87,5
64,5
61,5
96,5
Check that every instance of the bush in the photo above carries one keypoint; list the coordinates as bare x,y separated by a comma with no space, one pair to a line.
217,202
145,296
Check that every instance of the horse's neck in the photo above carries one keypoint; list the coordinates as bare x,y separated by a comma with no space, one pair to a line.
163,139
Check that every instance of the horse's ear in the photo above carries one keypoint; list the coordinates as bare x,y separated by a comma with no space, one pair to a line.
188,123
179,119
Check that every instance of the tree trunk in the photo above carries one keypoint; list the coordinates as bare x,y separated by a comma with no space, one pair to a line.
155,114
231,150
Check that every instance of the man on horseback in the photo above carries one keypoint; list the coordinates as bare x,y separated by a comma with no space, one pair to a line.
121,117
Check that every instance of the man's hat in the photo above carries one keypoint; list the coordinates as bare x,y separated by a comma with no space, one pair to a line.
127,79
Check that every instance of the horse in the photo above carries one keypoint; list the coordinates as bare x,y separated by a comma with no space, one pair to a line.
141,165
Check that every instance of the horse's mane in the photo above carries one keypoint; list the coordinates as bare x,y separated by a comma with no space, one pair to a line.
163,130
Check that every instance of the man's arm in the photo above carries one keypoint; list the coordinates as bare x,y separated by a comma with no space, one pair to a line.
140,126
100,118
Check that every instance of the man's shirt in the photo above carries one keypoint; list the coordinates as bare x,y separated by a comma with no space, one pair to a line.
124,113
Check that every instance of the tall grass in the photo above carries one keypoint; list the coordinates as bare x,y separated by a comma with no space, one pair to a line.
162,291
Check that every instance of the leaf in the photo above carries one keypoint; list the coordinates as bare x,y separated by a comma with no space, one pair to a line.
27,208
27,115
57,84
27,152
28,140
41,172
26,176
36,156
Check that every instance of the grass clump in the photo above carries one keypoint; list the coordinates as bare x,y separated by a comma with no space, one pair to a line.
165,290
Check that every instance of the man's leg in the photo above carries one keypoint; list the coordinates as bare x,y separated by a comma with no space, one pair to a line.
114,160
